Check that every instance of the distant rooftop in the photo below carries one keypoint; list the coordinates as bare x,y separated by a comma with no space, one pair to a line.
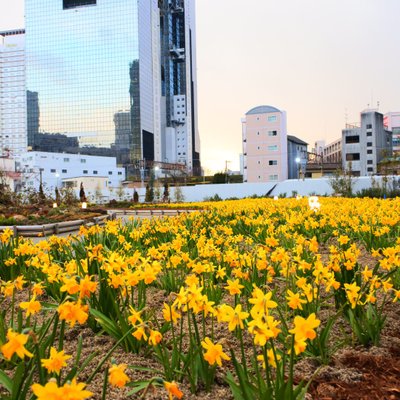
262,110
13,32
295,139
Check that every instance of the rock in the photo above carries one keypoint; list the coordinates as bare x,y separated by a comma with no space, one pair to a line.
18,217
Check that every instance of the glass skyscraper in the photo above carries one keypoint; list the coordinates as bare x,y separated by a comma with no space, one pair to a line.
97,84
12,94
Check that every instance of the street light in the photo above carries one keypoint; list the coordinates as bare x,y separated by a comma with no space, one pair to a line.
57,175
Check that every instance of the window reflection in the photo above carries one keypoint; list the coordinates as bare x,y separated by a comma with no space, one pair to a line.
81,77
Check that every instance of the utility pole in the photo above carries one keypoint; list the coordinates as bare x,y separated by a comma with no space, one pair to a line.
226,171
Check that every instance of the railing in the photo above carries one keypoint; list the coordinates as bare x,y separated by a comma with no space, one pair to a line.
71,226
55,228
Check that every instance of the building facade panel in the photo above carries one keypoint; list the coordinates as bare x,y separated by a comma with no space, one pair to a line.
365,146
391,121
89,60
52,168
13,138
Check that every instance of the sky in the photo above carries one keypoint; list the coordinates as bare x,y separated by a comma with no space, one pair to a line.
321,61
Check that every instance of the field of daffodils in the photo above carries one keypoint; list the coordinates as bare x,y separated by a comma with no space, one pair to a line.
248,299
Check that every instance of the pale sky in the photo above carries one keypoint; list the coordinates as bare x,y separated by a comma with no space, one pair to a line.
319,60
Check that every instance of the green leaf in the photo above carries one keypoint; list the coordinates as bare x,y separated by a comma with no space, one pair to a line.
6,381
140,385
17,381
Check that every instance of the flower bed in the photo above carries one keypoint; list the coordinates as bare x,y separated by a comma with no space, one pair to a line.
248,300
34,215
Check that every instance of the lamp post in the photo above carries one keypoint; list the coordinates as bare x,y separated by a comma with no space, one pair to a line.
57,175
297,159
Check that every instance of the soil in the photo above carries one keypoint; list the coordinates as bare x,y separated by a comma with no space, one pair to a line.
353,373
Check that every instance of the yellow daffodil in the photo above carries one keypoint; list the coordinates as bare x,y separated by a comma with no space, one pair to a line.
117,376
214,353
56,361
15,344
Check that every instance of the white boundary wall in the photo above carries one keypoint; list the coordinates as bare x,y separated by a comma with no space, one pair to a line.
307,187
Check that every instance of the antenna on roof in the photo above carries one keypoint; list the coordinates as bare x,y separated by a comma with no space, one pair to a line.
377,105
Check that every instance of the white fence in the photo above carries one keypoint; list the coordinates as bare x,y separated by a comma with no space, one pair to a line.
289,187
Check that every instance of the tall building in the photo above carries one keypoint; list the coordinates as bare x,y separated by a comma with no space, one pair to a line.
13,140
265,152
391,121
89,59
365,145
179,92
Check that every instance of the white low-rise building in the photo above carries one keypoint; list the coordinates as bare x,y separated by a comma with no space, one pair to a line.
55,168
9,176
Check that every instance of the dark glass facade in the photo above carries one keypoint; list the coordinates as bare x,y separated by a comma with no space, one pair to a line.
82,69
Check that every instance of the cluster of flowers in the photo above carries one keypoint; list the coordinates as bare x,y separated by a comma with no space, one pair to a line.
261,269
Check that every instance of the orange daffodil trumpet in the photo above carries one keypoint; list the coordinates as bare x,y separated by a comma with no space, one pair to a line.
117,376
214,353
15,345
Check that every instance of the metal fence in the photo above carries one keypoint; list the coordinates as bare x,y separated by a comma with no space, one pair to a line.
55,228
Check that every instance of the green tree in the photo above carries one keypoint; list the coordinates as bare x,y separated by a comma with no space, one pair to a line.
149,197
120,192
178,194
42,196
98,194
166,192
150,189
57,194
342,182
82,194
220,177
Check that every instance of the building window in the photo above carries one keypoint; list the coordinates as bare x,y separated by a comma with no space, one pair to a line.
272,133
370,162
352,156
119,173
258,147
369,126
369,133
258,133
273,177
258,162
369,144
353,139
272,118
64,171
85,171
370,169
272,162
53,171
273,147
95,172
77,3
66,159
369,151
83,160
109,172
